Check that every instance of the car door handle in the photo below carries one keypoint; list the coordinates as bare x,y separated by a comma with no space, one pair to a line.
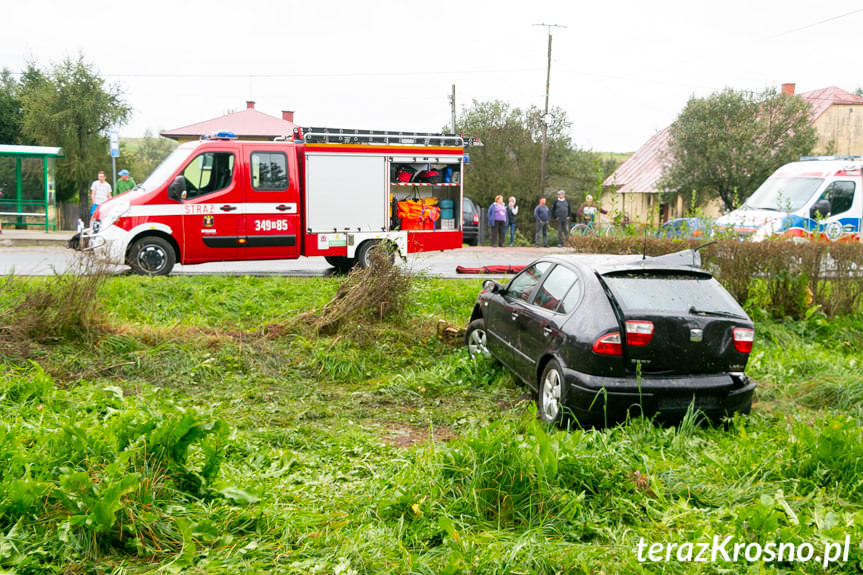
228,208
282,208
546,331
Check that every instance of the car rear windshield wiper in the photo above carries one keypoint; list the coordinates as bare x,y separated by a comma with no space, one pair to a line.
717,313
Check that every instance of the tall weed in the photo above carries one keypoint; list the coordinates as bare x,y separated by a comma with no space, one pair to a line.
64,308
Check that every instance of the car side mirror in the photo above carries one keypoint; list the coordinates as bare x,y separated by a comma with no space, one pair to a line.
821,209
492,286
177,189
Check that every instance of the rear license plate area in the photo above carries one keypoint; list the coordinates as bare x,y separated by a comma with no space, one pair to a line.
682,402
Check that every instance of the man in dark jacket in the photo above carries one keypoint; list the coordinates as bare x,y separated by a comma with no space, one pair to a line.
542,216
560,212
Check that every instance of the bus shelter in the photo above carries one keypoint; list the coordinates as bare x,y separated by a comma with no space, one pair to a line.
28,186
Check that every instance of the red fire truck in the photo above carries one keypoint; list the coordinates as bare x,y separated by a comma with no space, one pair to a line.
320,192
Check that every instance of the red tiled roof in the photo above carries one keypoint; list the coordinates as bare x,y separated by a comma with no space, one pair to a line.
641,172
249,123
822,99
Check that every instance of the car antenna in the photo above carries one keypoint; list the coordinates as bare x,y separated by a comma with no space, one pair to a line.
644,245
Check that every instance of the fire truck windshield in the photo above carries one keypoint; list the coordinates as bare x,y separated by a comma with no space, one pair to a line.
168,166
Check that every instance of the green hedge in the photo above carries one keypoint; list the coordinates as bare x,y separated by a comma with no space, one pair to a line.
784,278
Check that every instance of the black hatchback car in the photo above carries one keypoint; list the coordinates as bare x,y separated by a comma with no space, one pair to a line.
470,222
602,337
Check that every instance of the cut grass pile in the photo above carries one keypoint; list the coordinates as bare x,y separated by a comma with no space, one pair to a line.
188,435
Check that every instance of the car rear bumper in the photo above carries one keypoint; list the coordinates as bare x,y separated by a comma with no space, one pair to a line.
604,400
470,234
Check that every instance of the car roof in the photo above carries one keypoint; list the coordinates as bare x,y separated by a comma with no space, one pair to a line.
688,261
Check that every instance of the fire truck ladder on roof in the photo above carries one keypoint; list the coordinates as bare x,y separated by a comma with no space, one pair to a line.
343,136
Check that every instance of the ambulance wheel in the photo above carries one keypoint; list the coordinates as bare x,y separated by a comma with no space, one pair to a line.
364,257
343,264
152,256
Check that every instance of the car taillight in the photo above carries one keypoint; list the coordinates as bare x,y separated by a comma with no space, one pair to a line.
639,332
608,345
476,219
743,338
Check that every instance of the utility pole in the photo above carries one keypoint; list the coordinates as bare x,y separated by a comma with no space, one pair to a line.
452,102
545,118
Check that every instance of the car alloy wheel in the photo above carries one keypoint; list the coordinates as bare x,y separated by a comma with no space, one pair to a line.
476,339
551,393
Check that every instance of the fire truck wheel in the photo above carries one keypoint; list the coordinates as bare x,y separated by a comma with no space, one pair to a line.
343,264
364,252
152,256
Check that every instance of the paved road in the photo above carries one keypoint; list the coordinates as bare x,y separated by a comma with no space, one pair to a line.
42,260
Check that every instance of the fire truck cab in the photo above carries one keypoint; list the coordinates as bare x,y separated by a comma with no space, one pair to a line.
321,192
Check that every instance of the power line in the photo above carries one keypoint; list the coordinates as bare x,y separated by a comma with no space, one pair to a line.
311,75
819,23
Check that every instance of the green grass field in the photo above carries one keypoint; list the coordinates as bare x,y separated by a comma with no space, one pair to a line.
200,428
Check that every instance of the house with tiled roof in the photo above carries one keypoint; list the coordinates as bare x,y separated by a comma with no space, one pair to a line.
633,188
248,124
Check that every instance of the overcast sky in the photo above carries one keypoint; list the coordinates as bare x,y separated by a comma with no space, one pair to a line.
621,70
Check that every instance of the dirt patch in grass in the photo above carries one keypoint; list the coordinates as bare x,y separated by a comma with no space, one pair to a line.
400,434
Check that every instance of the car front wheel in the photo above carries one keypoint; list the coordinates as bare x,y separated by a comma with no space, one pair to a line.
475,338
552,393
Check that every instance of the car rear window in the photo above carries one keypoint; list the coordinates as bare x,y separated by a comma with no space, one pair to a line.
671,292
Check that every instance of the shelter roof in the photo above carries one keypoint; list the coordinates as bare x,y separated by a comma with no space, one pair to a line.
42,151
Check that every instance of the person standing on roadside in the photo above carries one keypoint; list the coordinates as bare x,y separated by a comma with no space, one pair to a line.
588,211
100,191
497,221
561,212
126,182
542,216
511,213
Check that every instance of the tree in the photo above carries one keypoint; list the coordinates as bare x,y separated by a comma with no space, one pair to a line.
149,154
72,106
10,119
726,145
508,163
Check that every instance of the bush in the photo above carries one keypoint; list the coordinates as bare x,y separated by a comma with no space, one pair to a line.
371,295
60,309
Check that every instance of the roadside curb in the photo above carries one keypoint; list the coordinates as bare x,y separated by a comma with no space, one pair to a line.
24,238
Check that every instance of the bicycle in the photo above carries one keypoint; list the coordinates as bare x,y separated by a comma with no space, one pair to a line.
606,229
